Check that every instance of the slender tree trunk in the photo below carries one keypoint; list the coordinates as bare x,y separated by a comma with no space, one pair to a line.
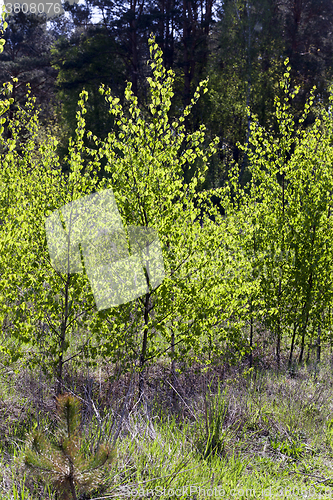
144,347
307,300
248,94
173,372
251,308
278,346
136,15
63,339
251,341
161,25
318,344
170,34
292,346
278,341
305,315
309,352
331,340
297,10
187,51
300,359
134,51
73,489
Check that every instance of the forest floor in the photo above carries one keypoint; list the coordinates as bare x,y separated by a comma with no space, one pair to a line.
229,434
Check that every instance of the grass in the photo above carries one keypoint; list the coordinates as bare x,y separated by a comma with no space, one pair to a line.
232,435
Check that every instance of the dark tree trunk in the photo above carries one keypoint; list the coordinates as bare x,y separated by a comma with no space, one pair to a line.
62,339
196,27
300,359
304,327
278,346
173,373
144,347
292,347
318,344
309,351
133,39
251,342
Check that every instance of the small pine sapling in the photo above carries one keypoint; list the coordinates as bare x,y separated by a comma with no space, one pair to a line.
61,461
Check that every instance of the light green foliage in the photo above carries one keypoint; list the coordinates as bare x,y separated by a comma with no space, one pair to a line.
286,216
146,159
43,311
39,307
4,103
4,26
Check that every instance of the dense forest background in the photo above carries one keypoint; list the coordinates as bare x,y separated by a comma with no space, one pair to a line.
240,45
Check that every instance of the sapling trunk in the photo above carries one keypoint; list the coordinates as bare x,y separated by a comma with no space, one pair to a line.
251,342
143,358
304,326
318,344
62,340
278,340
309,351
278,346
173,371
73,489
292,346
307,301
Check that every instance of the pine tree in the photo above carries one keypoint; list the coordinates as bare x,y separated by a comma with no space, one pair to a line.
61,461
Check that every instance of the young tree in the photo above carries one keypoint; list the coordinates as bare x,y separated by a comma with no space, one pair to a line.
145,159
62,460
290,197
39,307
